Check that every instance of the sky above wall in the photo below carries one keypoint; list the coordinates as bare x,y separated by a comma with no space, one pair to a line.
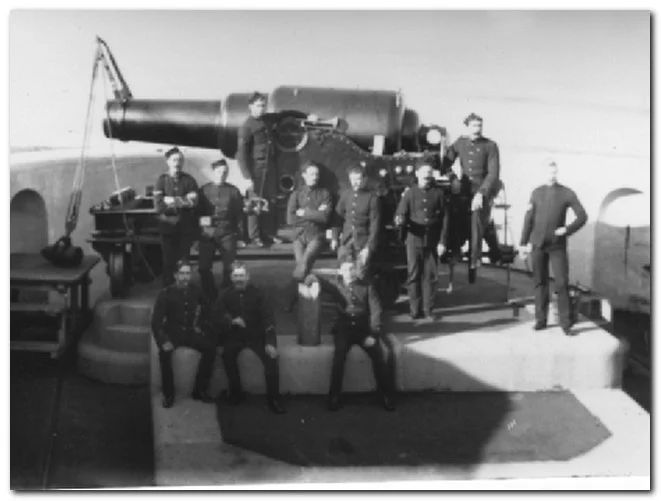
531,74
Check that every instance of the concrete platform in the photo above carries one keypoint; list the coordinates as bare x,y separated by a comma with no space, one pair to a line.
477,351
189,451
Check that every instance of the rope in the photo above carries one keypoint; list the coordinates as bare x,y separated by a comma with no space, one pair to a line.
76,192
134,238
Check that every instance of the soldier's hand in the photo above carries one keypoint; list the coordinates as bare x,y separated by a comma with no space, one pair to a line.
323,207
207,231
369,341
271,351
300,212
525,250
168,346
440,249
561,231
168,200
477,202
364,254
399,220
239,321
333,245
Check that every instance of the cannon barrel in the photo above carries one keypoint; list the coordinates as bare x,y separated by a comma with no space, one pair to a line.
215,124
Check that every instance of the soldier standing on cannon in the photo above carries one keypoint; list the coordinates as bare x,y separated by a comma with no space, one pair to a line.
175,196
244,315
309,210
178,319
423,216
480,165
360,219
358,323
253,155
220,208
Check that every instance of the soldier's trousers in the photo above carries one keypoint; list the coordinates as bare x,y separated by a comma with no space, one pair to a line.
231,351
421,280
479,221
207,249
344,339
258,222
540,270
306,253
174,246
208,350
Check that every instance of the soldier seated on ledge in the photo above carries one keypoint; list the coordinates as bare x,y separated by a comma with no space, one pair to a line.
358,322
242,313
178,320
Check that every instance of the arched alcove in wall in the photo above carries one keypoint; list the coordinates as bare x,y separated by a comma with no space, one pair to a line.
622,246
28,222
28,234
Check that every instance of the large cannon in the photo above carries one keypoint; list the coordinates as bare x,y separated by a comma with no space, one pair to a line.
335,128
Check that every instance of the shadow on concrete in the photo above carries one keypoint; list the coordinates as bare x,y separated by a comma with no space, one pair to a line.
443,429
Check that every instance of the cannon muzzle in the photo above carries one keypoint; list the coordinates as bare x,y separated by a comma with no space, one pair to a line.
201,124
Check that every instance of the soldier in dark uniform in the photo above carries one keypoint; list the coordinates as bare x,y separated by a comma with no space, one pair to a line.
253,152
358,323
480,165
360,219
243,313
178,319
309,210
423,215
175,196
545,234
220,208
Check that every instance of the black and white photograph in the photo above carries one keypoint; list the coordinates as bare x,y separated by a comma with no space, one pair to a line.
320,249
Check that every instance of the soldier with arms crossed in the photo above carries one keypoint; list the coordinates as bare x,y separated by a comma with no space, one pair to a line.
309,210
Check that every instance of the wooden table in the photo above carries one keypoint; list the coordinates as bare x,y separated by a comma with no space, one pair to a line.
33,272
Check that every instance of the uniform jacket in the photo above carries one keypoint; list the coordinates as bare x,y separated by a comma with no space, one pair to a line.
177,313
360,213
547,211
480,163
225,206
181,216
425,215
251,305
313,223
358,304
252,146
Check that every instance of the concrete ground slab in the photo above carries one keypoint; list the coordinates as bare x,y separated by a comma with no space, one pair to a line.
189,450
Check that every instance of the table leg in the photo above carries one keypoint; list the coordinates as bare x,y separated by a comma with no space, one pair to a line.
62,332
74,309
84,296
